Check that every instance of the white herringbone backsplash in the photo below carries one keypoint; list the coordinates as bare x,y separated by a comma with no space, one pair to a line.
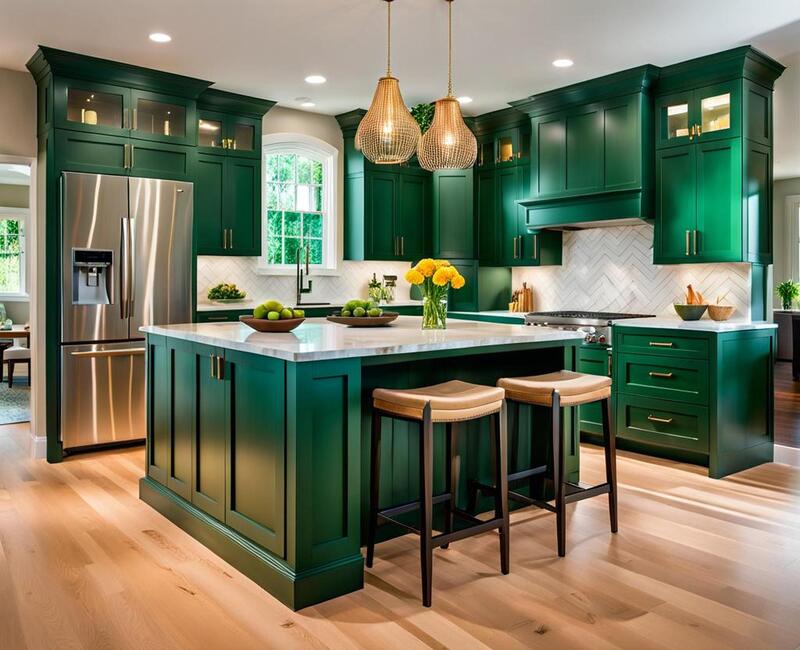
611,269
242,271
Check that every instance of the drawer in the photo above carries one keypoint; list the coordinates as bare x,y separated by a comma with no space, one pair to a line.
661,377
219,316
655,422
661,342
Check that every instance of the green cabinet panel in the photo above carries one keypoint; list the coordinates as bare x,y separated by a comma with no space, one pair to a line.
592,361
584,149
719,236
227,134
412,215
243,206
508,192
209,204
661,343
163,118
700,114
255,502
210,430
161,160
158,410
453,214
489,226
91,107
182,382
676,204
381,199
684,380
548,151
91,153
663,424
757,113
757,201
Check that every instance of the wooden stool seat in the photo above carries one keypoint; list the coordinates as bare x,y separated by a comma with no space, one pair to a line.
452,401
574,388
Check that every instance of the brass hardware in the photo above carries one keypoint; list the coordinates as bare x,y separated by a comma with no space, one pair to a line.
402,245
224,143
133,149
125,156
698,130
687,242
515,247
536,246
660,344
232,143
126,118
694,242
135,120
653,418
213,366
127,352
224,238
664,375
230,238
220,318
609,365
220,368
691,132
519,155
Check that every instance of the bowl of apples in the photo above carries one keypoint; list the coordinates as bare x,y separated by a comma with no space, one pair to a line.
272,316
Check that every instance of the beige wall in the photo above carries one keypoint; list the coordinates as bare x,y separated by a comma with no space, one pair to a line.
14,196
17,114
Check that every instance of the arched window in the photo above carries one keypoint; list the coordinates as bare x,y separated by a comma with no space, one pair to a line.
299,199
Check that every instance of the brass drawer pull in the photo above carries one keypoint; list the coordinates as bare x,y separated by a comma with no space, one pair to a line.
653,418
660,344
665,375
210,318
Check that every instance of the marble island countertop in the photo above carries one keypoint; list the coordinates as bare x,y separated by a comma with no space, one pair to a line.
318,339
210,305
702,325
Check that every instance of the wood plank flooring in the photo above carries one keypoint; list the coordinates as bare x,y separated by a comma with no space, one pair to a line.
787,406
697,564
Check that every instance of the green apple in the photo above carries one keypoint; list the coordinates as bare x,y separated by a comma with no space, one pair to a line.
273,305
286,313
260,312
375,312
299,313
274,315
358,312
347,313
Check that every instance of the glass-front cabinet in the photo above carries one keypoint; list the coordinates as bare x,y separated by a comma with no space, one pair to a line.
504,148
702,114
162,117
234,135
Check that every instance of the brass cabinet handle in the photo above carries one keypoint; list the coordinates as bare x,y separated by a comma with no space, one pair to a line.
216,318
515,248
694,242
665,375
126,118
230,237
687,242
224,143
220,368
133,150
698,130
233,143
224,238
135,120
535,247
653,418
213,363
691,132
660,344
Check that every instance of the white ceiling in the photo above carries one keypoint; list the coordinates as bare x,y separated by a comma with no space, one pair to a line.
504,48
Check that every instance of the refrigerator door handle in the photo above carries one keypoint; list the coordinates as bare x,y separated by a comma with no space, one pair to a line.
119,352
124,275
130,266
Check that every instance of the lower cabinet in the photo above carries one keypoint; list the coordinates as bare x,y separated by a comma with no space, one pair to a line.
217,434
592,361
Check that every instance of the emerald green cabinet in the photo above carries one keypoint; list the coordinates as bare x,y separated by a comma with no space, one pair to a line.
506,146
228,134
453,214
227,211
592,361
162,118
700,114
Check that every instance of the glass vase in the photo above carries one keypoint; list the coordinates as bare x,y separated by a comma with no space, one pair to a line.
434,312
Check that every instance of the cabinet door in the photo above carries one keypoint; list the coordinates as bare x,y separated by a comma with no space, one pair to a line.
717,111
209,204
592,361
676,208
490,233
467,297
412,213
210,430
507,186
549,150
90,152
182,382
381,216
674,117
719,201
453,214
584,149
161,160
211,134
758,201
256,446
90,106
508,147
158,409
163,118
244,136
242,201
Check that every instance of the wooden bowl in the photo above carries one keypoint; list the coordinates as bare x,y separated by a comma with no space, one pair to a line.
364,321
690,312
720,312
275,326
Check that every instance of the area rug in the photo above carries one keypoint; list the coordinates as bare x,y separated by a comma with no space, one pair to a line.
15,402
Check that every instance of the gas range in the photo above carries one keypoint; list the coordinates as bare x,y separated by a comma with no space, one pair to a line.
596,325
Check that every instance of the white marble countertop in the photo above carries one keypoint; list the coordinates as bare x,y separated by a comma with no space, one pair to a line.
207,305
702,325
493,313
318,339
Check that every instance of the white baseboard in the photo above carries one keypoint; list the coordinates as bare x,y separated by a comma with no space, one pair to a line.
38,447
787,455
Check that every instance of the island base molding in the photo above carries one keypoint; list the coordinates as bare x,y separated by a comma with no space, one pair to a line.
294,589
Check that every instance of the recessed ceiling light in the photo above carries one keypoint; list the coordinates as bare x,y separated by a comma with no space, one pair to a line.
308,104
315,79
465,100
563,63
160,37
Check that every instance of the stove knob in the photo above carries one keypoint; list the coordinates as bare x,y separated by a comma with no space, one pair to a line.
601,339
591,338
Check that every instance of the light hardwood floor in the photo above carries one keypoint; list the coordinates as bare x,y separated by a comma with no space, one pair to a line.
697,564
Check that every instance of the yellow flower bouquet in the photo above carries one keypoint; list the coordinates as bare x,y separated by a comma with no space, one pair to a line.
434,277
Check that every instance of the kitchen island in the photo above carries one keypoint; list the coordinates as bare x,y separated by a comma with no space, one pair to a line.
258,444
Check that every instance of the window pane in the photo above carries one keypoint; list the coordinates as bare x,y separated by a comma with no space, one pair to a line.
716,112
316,198
303,197
274,223
286,197
312,225
316,173
304,169
274,250
315,253
677,121
10,256
291,245
271,163
291,222
272,195
285,163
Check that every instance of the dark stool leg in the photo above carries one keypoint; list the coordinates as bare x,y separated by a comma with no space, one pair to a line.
498,425
451,472
558,475
426,504
609,446
10,372
29,373
374,485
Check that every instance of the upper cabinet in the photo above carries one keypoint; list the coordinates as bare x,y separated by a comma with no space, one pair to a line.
591,150
714,159
230,124
503,139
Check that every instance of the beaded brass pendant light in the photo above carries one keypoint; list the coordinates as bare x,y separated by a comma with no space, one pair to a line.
448,144
388,134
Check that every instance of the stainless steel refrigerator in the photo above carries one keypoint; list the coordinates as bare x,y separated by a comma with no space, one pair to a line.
127,255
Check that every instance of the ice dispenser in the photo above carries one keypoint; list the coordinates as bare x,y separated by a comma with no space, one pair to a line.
91,276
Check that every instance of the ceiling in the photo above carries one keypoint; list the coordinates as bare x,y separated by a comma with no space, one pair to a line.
503,48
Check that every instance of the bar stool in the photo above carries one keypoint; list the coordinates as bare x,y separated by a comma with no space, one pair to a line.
452,402
556,390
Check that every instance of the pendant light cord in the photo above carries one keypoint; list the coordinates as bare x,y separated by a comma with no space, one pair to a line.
388,38
449,48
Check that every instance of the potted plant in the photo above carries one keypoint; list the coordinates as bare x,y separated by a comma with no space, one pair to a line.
788,290
435,277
